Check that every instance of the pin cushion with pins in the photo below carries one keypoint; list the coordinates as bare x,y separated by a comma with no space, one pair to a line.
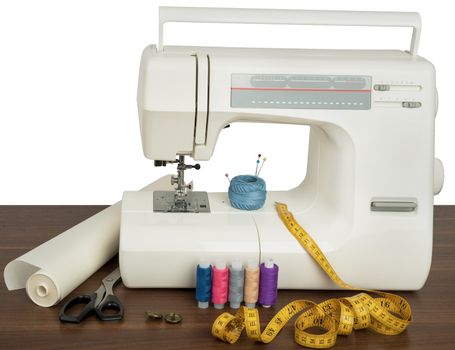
248,192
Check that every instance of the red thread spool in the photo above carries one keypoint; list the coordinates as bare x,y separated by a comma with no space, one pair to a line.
220,283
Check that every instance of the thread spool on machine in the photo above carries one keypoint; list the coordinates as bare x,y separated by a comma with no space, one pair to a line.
236,283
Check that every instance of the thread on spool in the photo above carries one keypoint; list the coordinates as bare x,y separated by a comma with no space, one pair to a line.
247,192
236,283
251,284
220,278
203,284
268,283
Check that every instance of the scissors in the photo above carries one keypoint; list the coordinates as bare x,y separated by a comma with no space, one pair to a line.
99,301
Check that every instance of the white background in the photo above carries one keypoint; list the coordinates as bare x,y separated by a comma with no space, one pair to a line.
69,130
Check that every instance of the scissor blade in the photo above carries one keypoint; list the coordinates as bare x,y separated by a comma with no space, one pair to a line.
110,281
113,277
100,294
106,286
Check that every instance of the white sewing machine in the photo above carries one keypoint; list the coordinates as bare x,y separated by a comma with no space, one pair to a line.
367,198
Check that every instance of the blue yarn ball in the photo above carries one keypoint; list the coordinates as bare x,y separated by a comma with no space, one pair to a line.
247,192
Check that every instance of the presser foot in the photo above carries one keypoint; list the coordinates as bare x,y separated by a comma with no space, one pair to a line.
191,202
183,199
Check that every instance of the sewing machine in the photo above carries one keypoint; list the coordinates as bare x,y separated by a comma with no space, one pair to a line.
367,198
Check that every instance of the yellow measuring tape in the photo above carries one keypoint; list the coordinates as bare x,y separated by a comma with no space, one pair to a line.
387,313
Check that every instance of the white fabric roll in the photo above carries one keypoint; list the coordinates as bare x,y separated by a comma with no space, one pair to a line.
55,268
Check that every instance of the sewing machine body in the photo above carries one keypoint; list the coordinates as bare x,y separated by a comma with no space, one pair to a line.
367,197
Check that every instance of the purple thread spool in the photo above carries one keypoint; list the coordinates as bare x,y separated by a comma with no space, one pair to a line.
268,283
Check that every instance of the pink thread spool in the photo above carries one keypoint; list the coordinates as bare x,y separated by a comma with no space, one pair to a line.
220,284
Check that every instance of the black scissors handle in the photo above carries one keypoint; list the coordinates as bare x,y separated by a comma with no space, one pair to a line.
87,299
102,301
114,307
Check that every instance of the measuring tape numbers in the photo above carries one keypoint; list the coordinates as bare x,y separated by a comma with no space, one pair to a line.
386,313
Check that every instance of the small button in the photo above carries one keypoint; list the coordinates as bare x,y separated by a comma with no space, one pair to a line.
173,318
152,315
411,104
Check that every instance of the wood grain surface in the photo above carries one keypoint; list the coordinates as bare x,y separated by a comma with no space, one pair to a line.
24,325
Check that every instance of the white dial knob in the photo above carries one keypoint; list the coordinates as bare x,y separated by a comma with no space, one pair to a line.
438,181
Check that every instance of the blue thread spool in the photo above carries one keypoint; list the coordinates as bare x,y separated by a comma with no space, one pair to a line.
203,284
247,192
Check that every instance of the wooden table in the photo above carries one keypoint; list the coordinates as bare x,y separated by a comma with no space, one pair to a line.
23,325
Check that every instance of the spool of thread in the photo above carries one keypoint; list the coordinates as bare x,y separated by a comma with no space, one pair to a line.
203,284
220,278
236,283
251,284
247,192
268,285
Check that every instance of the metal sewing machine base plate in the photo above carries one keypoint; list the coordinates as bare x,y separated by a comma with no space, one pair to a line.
194,202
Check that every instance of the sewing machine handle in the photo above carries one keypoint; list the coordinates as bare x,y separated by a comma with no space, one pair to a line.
300,17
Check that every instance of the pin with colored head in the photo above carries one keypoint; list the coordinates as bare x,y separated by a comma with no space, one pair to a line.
263,161
257,164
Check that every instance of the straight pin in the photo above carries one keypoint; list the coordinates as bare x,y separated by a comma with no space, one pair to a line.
257,164
263,161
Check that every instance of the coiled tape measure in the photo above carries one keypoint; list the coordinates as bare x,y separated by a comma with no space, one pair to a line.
387,313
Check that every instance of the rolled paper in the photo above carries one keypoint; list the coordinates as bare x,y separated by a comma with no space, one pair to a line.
55,268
